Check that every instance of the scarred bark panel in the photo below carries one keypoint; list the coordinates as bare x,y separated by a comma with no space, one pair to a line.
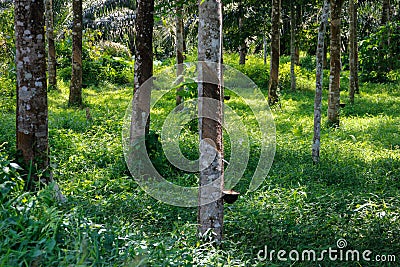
143,68
335,64
210,216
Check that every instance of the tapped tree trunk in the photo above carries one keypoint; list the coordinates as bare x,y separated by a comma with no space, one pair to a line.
353,51
32,114
179,49
335,65
275,46
292,46
210,213
75,93
319,78
51,49
143,68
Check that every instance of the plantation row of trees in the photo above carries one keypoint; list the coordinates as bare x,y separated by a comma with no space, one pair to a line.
205,26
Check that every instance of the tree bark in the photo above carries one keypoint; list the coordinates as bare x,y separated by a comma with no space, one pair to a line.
210,215
335,65
143,68
275,43
265,48
32,114
242,47
292,46
319,78
51,49
75,93
353,50
385,12
179,49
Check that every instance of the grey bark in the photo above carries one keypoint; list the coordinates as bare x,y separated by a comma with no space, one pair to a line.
275,53
210,216
51,49
32,114
75,93
335,65
318,86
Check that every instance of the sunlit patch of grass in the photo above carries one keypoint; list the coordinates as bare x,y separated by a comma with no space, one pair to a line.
353,193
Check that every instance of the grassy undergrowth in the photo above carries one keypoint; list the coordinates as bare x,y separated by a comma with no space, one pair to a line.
109,220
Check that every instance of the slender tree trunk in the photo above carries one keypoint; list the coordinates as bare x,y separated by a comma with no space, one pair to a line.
385,12
319,79
265,48
179,49
51,49
275,43
32,118
75,93
335,65
210,215
357,88
292,46
352,50
143,68
242,47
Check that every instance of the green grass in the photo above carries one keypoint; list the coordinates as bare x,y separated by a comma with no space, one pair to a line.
110,221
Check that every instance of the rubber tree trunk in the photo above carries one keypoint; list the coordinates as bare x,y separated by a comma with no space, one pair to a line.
242,47
353,51
143,68
292,46
318,85
32,118
210,215
179,48
335,65
275,53
75,93
385,18
51,49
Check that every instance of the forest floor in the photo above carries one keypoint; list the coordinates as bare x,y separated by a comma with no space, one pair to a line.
351,199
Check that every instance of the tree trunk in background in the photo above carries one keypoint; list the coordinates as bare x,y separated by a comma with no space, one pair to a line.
357,88
32,118
385,12
325,60
353,50
51,49
143,68
265,48
275,43
75,93
292,46
335,65
242,47
179,49
319,78
210,215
